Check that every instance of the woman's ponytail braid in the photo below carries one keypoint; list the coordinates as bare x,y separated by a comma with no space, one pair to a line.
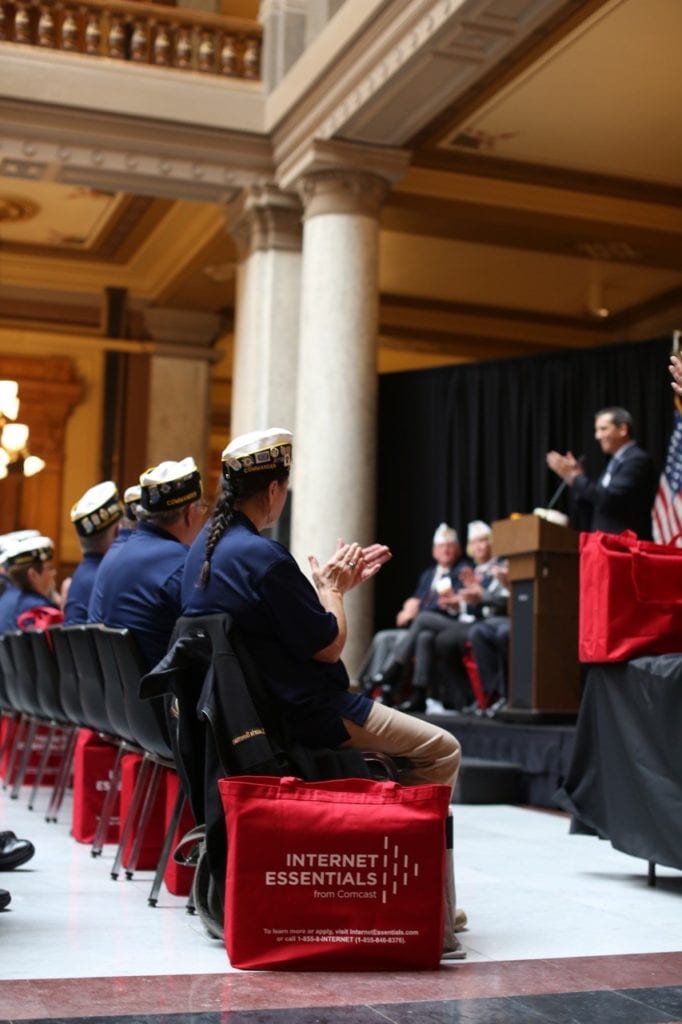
220,520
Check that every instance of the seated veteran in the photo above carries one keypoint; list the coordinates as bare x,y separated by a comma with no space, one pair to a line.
425,614
96,517
483,593
33,574
295,630
6,541
127,523
139,589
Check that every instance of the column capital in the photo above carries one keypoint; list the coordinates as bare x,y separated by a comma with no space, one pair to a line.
342,191
264,217
340,177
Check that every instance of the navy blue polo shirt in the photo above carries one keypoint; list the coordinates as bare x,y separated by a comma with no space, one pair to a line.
14,601
283,624
8,602
95,599
139,589
82,582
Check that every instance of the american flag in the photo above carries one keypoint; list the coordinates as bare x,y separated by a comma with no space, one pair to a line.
667,510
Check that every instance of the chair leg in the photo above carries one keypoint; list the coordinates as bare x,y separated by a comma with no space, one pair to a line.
62,780
129,823
43,764
12,719
145,815
180,801
25,757
108,805
21,727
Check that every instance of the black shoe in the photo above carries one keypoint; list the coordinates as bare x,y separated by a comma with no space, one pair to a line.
14,852
471,709
4,899
416,705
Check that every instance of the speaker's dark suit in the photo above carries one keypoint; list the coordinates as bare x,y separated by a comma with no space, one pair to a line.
625,504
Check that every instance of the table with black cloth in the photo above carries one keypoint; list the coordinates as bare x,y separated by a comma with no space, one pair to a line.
625,778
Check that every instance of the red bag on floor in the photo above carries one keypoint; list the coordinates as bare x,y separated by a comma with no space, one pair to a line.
345,874
93,765
630,597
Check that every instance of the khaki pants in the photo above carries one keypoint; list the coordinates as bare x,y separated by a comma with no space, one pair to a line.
434,753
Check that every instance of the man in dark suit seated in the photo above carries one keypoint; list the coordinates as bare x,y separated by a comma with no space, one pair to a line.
622,497
425,613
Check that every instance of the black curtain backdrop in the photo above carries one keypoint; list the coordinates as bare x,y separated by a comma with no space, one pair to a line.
469,442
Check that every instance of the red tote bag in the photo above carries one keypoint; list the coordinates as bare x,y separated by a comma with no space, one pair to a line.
630,597
338,875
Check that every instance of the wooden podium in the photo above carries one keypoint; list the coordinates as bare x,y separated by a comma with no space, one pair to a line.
544,672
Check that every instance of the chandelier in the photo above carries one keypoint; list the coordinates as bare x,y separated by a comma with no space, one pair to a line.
15,456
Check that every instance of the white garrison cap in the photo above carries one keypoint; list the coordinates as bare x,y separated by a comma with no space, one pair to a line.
445,535
8,539
99,507
258,450
170,485
131,499
478,529
28,551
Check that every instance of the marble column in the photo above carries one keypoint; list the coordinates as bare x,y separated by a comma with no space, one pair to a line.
335,437
266,224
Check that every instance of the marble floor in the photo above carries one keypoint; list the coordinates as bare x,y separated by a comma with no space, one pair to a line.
562,928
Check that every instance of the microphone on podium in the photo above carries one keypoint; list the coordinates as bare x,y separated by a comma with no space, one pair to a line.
548,511
563,485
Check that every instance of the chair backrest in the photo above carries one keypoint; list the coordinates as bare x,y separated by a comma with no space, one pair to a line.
147,718
69,688
90,679
47,673
26,677
9,672
114,697
6,703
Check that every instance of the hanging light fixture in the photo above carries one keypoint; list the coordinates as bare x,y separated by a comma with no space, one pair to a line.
9,399
14,452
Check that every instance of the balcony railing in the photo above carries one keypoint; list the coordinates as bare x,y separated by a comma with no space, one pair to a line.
146,33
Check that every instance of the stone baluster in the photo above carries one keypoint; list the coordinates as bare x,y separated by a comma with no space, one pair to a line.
116,39
69,30
139,41
251,58
93,33
22,24
183,47
162,45
45,27
228,55
206,51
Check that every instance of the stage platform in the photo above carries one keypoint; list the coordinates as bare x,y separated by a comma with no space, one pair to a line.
532,760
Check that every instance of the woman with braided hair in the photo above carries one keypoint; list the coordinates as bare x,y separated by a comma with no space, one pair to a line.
295,632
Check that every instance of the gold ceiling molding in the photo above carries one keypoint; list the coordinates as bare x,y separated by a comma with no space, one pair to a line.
17,208
541,198
140,156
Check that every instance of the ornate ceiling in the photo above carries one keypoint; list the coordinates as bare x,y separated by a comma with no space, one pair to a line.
541,207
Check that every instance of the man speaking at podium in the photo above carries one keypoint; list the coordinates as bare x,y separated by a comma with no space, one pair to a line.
622,497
